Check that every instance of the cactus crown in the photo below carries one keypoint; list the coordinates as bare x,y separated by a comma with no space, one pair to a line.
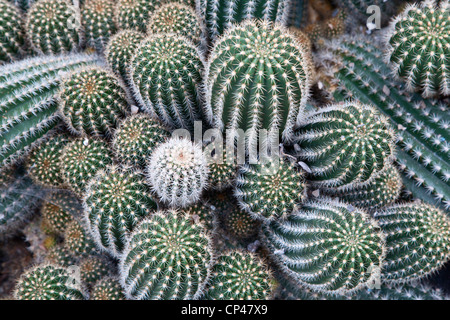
134,14
98,21
12,35
77,241
107,288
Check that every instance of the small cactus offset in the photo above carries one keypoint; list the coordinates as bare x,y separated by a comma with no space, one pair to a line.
77,241
270,189
382,191
222,170
419,49
97,17
136,138
107,288
134,14
327,247
44,162
417,241
59,209
116,200
178,172
346,144
93,268
258,77
59,255
52,27
121,48
219,16
202,213
166,73
176,18
167,257
239,223
47,282
240,276
92,101
81,159
12,33
27,101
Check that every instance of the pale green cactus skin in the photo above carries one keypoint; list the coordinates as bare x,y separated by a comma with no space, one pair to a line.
419,49
27,101
240,276
12,33
166,257
52,27
162,59
47,282
240,95
417,241
327,246
134,14
346,144
423,156
107,288
202,213
116,200
97,17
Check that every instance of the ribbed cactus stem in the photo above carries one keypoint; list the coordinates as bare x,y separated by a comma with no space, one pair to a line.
12,33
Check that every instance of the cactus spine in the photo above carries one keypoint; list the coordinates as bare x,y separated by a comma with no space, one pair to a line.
107,289
134,14
97,17
12,34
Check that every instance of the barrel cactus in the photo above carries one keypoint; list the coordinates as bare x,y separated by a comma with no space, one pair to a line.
93,268
59,255
222,170
167,257
77,241
59,209
134,14
97,17
116,200
418,238
12,33
419,49
108,288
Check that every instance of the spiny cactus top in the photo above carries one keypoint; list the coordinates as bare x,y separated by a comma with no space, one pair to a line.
201,213
166,74
107,289
167,257
346,144
44,162
77,241
52,27
240,276
93,268
12,34
59,209
222,15
47,282
81,159
419,47
418,240
92,101
178,172
222,169
327,246
121,47
97,17
116,200
239,223
134,14
176,18
136,137
258,77
270,189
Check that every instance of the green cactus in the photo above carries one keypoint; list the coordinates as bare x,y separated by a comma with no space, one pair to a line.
222,170
27,101
47,282
346,144
116,200
92,101
270,189
53,27
419,49
358,8
107,288
12,33
240,276
219,16
418,237
167,257
202,213
121,48
81,159
165,74
298,13
258,77
382,191
413,291
327,246
357,71
59,209
44,162
59,255
77,241
93,268
136,138
97,17
176,18
178,172
134,14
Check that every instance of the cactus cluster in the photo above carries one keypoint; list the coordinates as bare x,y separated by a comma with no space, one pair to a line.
97,17
12,33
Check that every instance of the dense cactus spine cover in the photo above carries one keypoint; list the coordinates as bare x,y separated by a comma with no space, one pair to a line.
59,209
134,14
419,49
107,288
97,17
417,241
27,101
116,200
77,240
327,246
167,257
12,33
166,75
222,169
258,77
52,27
93,268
